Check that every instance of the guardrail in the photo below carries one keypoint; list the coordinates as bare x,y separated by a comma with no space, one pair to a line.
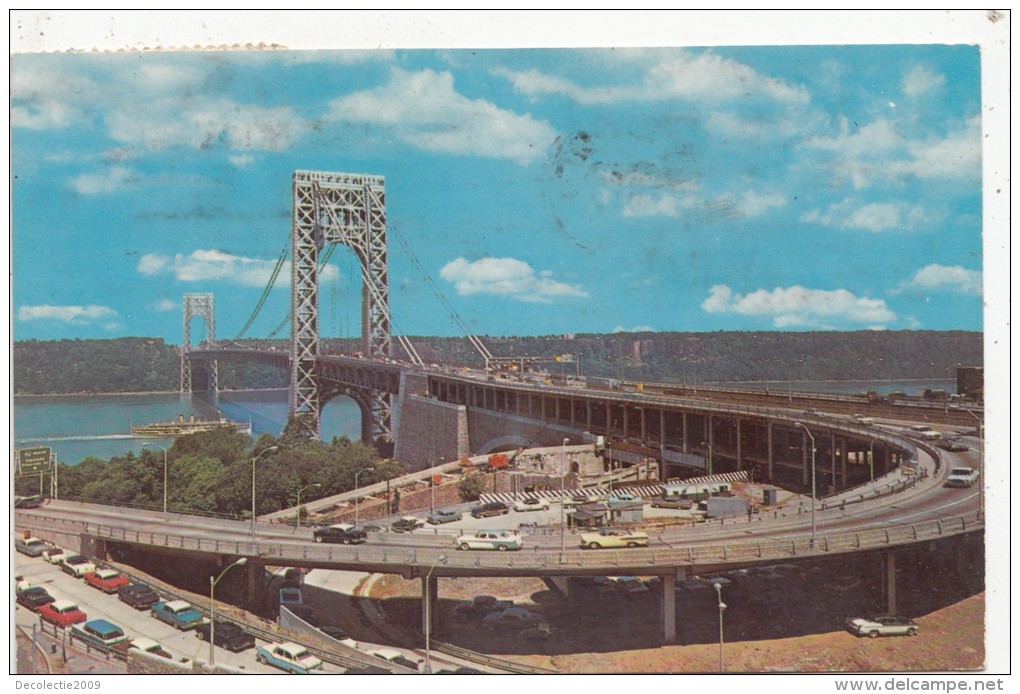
541,561
492,661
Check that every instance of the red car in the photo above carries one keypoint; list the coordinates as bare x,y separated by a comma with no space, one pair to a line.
62,613
106,580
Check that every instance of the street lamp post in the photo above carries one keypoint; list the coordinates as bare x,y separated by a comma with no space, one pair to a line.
267,450
722,608
154,445
813,527
981,461
708,458
871,459
310,486
563,498
428,614
212,607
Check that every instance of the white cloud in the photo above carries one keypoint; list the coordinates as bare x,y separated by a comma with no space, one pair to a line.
635,329
425,110
241,160
76,315
702,76
941,277
800,307
874,217
881,151
752,203
108,181
165,305
647,206
205,122
506,277
920,80
210,264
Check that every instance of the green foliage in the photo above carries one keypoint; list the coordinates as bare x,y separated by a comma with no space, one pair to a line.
471,487
211,472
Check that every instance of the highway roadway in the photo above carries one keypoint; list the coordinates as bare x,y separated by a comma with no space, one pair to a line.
925,510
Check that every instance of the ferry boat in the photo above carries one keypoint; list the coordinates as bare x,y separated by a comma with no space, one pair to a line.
182,427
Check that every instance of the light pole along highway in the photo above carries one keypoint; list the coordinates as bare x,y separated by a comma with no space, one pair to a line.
264,451
814,529
212,607
310,486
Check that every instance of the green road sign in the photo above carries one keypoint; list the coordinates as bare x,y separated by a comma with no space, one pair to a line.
34,460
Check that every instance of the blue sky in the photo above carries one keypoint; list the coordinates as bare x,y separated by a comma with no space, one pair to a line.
544,191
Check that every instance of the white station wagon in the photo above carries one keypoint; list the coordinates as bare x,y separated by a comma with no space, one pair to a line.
501,540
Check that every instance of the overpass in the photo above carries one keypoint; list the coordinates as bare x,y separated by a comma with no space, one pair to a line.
923,512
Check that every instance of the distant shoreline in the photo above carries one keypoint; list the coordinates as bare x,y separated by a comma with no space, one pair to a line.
134,392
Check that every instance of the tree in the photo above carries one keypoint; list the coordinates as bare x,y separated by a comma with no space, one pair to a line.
471,487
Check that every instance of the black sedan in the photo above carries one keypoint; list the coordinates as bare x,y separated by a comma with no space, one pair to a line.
341,533
33,598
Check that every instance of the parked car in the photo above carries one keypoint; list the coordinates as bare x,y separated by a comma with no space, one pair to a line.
962,477
882,626
53,555
31,546
291,657
492,508
106,580
138,595
62,613
624,497
149,646
501,540
443,515
511,617
479,606
578,500
613,537
530,504
291,596
631,585
226,635
177,613
341,533
407,524
33,597
952,445
99,632
76,565
26,502
391,655
683,504
20,583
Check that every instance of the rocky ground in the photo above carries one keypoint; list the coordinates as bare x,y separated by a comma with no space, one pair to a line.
789,624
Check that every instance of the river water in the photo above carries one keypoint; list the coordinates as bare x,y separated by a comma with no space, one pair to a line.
79,426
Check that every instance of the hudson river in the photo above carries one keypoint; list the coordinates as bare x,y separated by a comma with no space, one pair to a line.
78,426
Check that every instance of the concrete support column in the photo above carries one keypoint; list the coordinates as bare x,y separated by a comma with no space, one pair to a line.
842,462
711,439
556,409
626,423
662,431
890,582
587,415
430,593
740,449
832,445
683,424
669,608
769,425
644,426
573,413
804,445
249,584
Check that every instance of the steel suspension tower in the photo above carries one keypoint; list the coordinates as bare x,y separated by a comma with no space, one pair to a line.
205,306
349,209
